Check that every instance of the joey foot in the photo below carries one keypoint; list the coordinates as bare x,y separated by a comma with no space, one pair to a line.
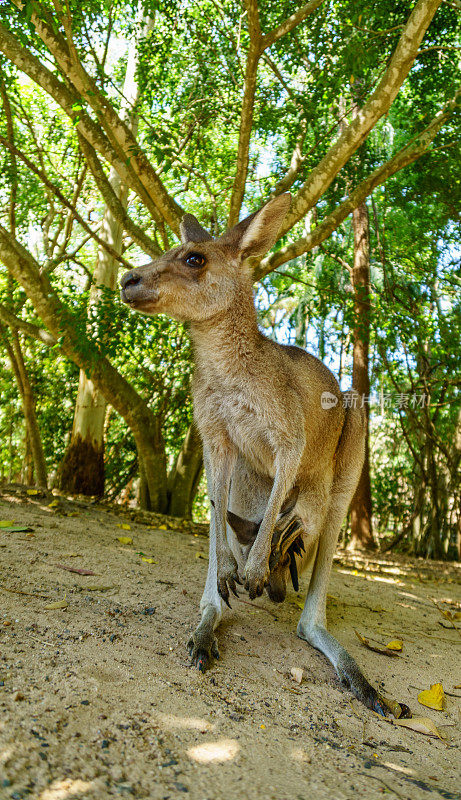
256,576
203,648
227,576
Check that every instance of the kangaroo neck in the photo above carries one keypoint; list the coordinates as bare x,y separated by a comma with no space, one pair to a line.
228,342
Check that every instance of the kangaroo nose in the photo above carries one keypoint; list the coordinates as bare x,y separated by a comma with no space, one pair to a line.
130,279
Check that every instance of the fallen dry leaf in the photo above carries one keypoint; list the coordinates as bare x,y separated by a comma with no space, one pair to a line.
420,725
395,644
433,697
162,528
56,605
149,560
53,504
125,539
383,650
32,492
16,528
76,570
297,674
124,526
201,554
5,523
98,588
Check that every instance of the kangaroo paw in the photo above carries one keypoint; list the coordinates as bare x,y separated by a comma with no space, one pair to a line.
256,577
227,577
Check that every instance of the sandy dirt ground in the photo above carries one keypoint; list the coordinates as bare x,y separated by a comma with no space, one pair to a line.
99,699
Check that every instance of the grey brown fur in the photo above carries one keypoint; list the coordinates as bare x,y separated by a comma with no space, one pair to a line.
258,406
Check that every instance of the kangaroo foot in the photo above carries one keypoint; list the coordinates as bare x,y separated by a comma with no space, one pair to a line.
351,677
203,648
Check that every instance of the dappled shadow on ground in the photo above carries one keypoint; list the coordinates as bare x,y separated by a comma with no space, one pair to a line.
97,697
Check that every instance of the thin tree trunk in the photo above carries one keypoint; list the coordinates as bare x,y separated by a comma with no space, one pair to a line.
361,505
185,475
82,468
28,404
150,445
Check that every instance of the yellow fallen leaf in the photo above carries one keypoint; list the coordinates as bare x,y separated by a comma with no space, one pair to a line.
125,539
98,588
5,523
53,504
457,615
433,697
149,560
297,674
162,528
56,605
124,526
32,491
385,651
420,725
299,603
263,727
201,554
395,644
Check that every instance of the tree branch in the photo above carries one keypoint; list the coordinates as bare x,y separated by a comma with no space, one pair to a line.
377,105
14,167
246,115
71,102
411,152
113,203
116,129
46,181
291,22
40,334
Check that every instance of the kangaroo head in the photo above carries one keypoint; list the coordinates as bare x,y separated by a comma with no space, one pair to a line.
201,277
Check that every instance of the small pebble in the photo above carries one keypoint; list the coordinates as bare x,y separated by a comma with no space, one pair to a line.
84,702
105,744
149,611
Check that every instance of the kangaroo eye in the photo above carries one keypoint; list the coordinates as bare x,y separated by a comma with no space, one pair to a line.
195,260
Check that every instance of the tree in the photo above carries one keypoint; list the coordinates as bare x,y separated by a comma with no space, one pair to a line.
82,469
223,116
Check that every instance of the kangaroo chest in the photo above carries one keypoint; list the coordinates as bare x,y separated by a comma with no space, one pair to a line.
254,428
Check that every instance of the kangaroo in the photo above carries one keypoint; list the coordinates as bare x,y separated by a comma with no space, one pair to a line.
272,418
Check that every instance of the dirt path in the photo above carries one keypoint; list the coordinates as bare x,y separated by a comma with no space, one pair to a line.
98,700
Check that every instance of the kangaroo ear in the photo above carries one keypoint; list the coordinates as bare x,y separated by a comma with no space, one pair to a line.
192,231
256,234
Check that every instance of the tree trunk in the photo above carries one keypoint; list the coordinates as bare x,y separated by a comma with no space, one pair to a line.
82,468
28,404
361,505
153,495
185,475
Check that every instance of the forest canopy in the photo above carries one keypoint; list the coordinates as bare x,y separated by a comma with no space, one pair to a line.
119,117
